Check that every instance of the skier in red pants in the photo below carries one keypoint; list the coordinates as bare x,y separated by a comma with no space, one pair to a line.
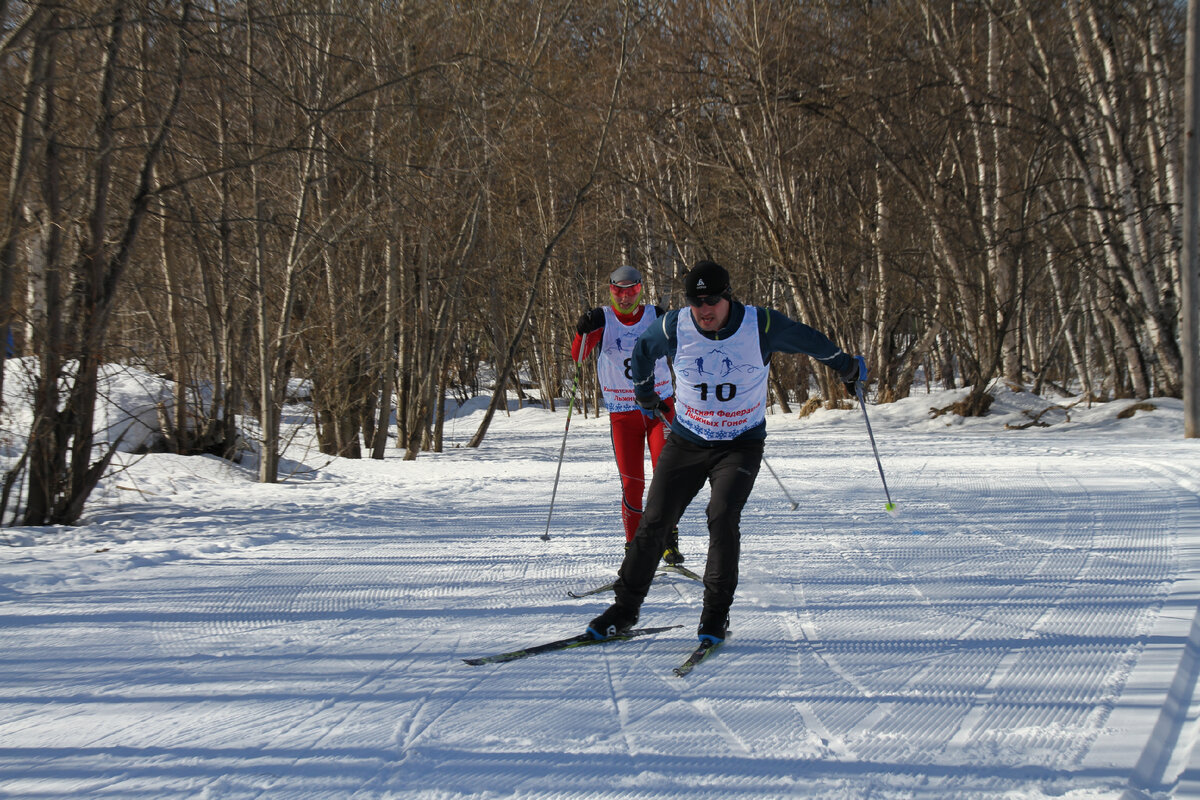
615,328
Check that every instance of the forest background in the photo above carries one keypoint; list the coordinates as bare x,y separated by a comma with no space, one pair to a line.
403,201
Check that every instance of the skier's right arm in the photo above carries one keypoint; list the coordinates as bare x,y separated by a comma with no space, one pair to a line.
589,330
657,341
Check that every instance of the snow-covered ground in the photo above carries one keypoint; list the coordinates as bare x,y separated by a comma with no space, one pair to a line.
1026,625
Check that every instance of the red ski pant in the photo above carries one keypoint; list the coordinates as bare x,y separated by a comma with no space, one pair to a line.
632,431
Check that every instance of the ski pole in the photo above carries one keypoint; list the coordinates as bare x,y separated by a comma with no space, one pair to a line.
786,493
563,449
889,505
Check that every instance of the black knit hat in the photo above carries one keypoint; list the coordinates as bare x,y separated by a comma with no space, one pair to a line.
706,278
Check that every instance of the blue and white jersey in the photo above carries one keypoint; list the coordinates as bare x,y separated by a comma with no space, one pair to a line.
612,363
720,385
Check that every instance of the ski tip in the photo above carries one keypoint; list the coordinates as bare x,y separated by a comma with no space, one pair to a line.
795,506
699,654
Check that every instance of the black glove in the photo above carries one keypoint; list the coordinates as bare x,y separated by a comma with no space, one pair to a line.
651,404
590,321
856,373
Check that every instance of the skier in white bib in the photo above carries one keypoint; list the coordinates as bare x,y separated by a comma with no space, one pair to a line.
717,434
615,328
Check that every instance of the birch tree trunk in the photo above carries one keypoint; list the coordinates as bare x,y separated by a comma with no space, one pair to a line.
508,358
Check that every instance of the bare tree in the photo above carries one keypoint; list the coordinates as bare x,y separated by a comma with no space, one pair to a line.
62,472
565,217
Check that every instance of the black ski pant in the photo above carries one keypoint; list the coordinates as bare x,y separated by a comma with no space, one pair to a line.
730,468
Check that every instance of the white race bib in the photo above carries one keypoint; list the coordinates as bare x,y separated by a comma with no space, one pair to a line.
612,364
720,385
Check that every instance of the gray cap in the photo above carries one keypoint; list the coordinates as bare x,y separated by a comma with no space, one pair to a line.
625,275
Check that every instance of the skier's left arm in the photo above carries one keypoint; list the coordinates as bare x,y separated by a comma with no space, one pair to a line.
657,341
779,334
589,330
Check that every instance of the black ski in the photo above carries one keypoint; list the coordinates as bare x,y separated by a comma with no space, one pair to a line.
663,570
703,651
586,592
582,640
684,571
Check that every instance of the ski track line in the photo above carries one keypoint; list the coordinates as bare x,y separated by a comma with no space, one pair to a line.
328,730
415,730
419,721
804,632
37,763
645,661
688,686
248,605
287,601
957,744
705,708
332,567
1100,566
996,537
943,609
409,733
1096,563
1175,733
812,720
900,576
833,744
1056,581
801,627
988,706
243,615
807,630
619,699
886,711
